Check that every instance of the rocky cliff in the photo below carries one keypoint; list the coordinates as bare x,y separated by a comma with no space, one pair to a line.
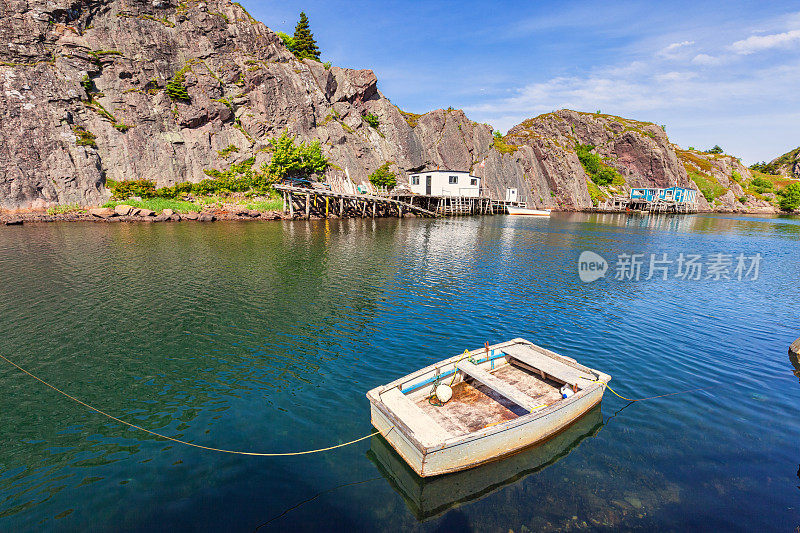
84,100
788,164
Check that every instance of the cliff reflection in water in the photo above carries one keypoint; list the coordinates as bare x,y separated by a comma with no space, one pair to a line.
430,497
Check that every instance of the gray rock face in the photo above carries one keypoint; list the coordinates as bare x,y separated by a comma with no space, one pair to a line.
788,164
83,100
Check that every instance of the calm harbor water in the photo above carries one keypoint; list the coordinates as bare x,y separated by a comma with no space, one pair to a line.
266,336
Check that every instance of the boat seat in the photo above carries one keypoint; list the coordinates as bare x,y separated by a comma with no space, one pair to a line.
425,428
533,358
497,385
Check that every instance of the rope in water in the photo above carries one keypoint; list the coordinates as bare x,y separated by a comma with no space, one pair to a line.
140,428
654,397
283,454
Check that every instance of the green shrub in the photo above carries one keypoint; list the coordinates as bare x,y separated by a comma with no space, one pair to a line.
123,190
295,160
228,150
288,41
598,171
591,162
327,65
175,86
497,134
88,86
605,176
372,120
383,177
84,137
790,197
761,185
715,150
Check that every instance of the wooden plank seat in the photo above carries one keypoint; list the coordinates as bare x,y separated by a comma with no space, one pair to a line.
500,387
531,357
425,428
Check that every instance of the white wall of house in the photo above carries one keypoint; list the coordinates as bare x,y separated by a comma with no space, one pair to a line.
445,183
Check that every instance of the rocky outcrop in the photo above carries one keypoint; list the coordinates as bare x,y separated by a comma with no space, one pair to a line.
84,100
787,164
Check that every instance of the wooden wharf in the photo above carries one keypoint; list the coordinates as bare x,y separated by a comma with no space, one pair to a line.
325,203
626,204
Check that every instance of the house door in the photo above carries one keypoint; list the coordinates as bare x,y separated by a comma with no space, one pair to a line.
428,185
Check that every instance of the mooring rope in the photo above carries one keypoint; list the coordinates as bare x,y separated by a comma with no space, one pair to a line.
283,454
654,397
140,428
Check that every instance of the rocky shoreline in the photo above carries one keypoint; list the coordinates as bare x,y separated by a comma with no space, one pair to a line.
131,214
125,213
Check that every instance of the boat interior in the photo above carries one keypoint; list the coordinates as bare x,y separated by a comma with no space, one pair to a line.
491,388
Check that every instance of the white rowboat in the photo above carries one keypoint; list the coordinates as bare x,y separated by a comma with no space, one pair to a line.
429,497
505,398
527,211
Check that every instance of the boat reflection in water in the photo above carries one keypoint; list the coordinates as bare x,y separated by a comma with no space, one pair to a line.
429,497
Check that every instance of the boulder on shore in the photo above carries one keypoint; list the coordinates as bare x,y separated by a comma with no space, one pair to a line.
102,212
190,216
167,213
206,217
146,213
123,210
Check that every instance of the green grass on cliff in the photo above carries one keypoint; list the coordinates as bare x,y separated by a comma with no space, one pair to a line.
158,204
708,185
595,193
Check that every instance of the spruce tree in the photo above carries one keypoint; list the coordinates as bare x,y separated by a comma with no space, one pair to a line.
304,44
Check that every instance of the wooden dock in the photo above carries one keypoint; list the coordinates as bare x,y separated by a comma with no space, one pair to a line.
450,205
626,204
324,203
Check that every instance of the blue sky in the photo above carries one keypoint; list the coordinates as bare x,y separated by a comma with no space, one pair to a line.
713,73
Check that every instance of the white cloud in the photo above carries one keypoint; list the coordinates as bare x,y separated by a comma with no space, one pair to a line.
757,43
674,49
675,76
706,60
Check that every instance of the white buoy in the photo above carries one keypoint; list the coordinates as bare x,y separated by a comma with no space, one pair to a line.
444,393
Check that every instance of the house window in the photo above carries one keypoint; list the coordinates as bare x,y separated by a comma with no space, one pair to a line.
452,180
473,181
414,180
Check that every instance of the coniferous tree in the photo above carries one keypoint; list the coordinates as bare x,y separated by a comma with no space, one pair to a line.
304,44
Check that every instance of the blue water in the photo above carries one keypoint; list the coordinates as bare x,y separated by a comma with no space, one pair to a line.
265,337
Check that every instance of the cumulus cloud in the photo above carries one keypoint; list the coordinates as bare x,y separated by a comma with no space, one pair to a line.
758,43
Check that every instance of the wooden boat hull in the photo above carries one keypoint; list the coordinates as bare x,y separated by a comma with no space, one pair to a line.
528,212
427,455
432,496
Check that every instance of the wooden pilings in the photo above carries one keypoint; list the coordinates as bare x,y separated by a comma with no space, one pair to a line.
325,203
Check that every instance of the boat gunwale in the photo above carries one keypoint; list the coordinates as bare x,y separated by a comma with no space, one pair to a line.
374,398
